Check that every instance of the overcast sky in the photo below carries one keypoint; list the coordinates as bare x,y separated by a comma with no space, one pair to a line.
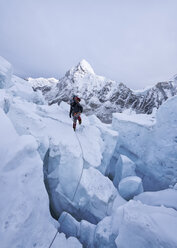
130,41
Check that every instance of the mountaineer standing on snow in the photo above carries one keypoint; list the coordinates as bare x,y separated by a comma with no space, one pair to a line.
75,110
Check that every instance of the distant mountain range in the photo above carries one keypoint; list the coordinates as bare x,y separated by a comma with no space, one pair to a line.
102,96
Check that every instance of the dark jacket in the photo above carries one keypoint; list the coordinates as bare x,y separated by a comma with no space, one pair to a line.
75,108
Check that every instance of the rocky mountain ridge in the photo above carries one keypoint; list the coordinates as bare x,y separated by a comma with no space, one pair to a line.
103,96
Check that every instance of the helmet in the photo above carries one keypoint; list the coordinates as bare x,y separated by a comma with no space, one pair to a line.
76,98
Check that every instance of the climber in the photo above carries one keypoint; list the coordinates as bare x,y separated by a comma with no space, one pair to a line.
75,110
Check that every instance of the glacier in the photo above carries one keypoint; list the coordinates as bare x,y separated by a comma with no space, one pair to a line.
107,185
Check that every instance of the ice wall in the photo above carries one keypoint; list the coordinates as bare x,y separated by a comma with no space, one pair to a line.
151,145
130,225
25,218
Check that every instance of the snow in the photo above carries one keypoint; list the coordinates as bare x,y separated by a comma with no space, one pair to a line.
94,195
5,73
99,193
139,119
143,90
86,67
118,201
166,197
25,218
83,230
101,96
22,89
146,226
151,145
40,82
128,167
61,241
81,176
130,186
51,127
131,225
120,167
175,186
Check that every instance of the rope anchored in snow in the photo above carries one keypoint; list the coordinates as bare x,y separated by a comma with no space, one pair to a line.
74,191
53,239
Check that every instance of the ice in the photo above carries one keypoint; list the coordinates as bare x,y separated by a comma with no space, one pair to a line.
146,226
70,157
5,73
22,89
141,119
151,144
175,186
83,230
5,100
68,225
118,201
99,192
115,165
120,167
130,186
131,225
61,241
81,172
25,218
128,167
167,198
109,138
94,195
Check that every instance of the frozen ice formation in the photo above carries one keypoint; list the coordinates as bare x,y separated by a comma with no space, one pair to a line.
85,173
25,218
166,197
131,225
151,144
130,186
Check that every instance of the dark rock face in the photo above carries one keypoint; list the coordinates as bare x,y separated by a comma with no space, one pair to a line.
155,96
103,97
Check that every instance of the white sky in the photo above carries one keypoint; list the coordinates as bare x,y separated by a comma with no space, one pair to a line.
132,41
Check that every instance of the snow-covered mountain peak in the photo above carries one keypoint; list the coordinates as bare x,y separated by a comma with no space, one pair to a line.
102,96
81,69
85,66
